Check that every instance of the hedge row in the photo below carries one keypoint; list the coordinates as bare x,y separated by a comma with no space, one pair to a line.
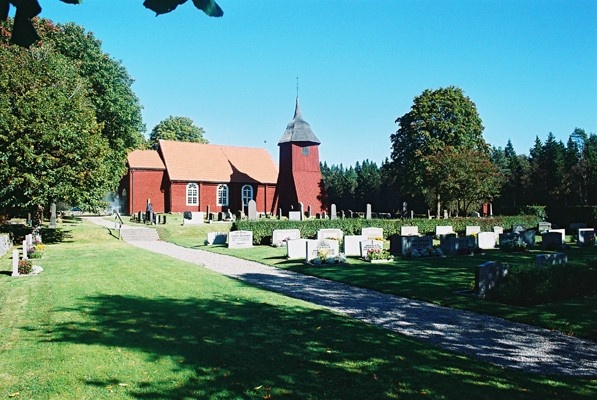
263,228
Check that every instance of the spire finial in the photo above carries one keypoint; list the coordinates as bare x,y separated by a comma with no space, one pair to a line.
297,82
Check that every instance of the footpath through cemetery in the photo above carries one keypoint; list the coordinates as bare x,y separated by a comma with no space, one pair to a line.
505,343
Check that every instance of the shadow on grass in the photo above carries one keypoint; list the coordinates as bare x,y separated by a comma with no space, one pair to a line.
237,348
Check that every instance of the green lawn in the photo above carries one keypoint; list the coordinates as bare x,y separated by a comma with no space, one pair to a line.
108,321
437,280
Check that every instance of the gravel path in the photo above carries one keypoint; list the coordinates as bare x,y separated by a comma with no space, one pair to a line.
501,342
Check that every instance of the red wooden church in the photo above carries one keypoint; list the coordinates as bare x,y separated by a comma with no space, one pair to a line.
183,176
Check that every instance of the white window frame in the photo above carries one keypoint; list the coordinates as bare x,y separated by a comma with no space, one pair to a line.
222,195
246,194
192,194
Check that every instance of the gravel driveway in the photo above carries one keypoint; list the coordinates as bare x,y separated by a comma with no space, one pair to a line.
501,342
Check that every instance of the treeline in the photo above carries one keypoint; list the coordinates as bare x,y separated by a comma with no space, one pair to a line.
553,174
352,188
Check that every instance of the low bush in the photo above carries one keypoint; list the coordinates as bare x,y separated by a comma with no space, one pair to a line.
263,228
529,285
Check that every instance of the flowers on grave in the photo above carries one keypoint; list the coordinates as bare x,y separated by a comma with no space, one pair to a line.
513,245
434,251
36,251
378,254
25,266
324,258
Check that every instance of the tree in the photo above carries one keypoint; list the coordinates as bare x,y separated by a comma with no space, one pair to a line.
52,147
438,119
25,34
181,129
106,87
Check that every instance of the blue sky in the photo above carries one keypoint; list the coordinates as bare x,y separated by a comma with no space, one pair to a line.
530,66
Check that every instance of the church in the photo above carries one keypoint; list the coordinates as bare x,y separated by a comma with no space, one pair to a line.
183,176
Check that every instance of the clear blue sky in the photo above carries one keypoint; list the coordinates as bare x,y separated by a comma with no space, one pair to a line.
530,66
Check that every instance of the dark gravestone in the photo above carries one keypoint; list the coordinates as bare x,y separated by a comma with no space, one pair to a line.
451,244
518,228
586,237
528,237
550,259
139,216
187,215
551,241
488,276
507,236
405,244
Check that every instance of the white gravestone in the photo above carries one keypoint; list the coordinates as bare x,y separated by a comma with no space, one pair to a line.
281,236
443,230
333,214
486,240
217,238
324,247
197,218
297,249
330,234
409,231
352,245
25,249
368,213
367,245
240,239
472,230
15,263
294,215
252,210
372,233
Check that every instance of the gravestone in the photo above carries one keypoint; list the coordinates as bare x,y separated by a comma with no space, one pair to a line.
15,263
528,236
297,249
302,211
372,233
217,238
330,234
352,245
333,212
252,210
25,249
518,228
281,236
29,239
240,239
221,216
410,243
197,218
551,240
342,214
280,213
561,232
443,230
486,240
409,231
498,230
324,215
550,259
452,244
294,215
507,236
488,276
543,227
309,211
368,212
472,230
325,247
367,245
586,236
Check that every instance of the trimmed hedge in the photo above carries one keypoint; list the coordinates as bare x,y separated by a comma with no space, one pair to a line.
263,228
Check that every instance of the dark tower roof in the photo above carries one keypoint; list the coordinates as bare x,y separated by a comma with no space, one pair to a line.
298,130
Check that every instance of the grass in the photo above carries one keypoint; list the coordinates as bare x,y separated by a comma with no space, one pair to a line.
107,320
437,280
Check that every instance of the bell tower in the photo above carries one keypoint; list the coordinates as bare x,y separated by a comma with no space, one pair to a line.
299,176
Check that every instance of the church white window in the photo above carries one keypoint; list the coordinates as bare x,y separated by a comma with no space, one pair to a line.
222,195
247,194
192,194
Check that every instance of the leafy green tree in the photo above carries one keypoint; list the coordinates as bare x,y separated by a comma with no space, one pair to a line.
437,119
181,129
52,146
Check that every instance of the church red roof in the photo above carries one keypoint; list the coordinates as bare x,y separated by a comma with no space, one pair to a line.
216,163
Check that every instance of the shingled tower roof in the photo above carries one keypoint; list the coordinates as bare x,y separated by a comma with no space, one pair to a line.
298,130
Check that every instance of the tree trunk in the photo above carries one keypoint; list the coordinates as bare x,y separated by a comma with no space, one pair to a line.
37,216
